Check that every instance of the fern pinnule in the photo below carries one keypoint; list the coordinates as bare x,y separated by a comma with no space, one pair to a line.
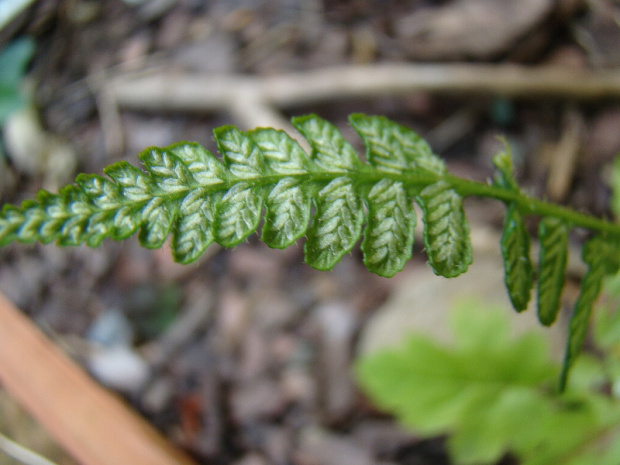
515,247
553,237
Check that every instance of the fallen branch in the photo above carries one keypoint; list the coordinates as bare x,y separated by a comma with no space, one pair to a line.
87,420
164,90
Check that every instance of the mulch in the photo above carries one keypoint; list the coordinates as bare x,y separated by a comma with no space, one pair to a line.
262,373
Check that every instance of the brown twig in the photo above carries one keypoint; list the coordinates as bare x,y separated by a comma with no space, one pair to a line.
191,92
89,421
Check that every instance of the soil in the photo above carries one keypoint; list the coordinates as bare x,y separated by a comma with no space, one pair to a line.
262,375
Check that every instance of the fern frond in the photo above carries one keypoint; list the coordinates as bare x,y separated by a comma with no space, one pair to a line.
188,193
330,196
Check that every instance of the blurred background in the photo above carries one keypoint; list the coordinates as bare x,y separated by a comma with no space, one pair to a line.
244,357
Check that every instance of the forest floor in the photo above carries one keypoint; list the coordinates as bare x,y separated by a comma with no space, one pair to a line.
258,371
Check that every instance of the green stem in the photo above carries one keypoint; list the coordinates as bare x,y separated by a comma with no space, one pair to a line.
533,206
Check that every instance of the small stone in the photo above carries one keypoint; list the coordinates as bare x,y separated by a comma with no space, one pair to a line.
120,368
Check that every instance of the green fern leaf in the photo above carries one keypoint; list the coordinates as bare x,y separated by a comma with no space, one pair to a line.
73,211
134,185
446,231
168,172
117,216
194,231
187,193
203,166
553,237
289,202
330,150
388,237
393,148
238,214
505,176
337,224
282,154
603,259
515,246
158,216
242,157
289,206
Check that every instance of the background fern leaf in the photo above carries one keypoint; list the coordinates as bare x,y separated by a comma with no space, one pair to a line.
337,224
602,258
330,151
515,246
393,148
553,237
446,231
388,237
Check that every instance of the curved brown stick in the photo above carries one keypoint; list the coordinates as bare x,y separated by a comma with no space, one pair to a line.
92,424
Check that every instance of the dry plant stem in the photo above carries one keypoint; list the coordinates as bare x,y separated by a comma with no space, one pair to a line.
87,420
565,156
165,90
22,454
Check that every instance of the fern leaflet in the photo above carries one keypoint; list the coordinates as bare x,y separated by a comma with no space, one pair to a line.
518,267
603,259
553,236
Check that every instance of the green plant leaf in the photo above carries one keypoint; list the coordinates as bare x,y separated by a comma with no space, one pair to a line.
491,395
337,224
193,231
203,166
603,259
14,59
582,431
515,246
289,206
505,176
388,237
478,389
507,426
330,151
394,148
238,214
553,237
282,154
241,155
615,188
446,231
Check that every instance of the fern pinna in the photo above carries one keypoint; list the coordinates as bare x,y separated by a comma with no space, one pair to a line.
329,196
